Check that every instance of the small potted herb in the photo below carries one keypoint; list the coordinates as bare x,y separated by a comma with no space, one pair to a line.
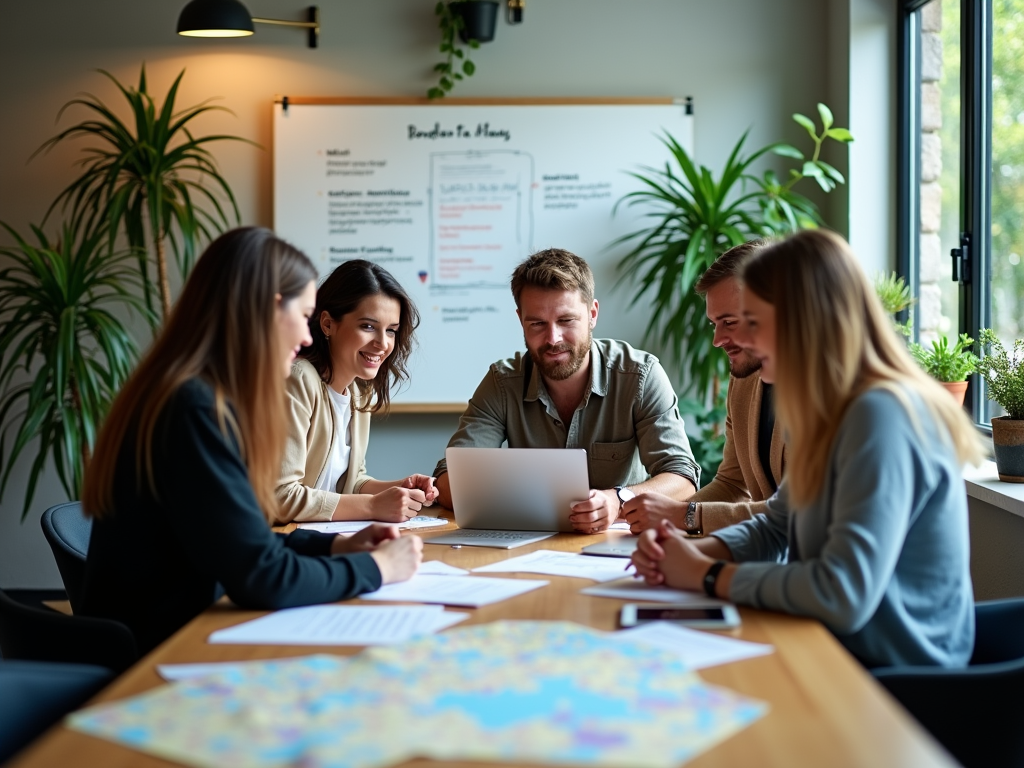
950,365
1003,371
894,293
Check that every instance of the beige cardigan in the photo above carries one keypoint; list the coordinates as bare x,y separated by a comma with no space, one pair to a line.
311,433
739,489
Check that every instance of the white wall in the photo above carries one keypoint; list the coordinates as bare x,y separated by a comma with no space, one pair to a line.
747,63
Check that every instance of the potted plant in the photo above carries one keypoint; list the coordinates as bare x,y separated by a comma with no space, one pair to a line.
894,293
949,365
473,21
63,353
149,173
1003,372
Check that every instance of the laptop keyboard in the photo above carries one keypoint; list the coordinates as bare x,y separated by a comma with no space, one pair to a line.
498,535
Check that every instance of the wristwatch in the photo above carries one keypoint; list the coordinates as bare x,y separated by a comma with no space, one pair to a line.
711,577
624,494
690,525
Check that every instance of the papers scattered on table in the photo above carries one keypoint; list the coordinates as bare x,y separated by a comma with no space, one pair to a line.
638,591
467,591
340,625
437,568
352,526
559,564
696,649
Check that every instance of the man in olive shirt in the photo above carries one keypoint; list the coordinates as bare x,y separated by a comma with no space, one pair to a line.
754,455
574,391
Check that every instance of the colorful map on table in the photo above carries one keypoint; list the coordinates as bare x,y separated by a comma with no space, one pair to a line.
548,692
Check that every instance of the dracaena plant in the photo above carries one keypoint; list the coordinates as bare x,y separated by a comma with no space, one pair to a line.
64,351
150,178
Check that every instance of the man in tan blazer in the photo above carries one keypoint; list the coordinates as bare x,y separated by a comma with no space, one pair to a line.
753,458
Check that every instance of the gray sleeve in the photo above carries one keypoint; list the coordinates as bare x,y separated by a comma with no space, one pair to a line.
661,437
765,536
483,422
873,477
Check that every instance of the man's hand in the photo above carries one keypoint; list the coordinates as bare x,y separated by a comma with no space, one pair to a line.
365,540
423,483
396,505
664,556
399,559
647,510
595,514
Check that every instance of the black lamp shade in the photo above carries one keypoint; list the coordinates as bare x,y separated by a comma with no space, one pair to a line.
215,18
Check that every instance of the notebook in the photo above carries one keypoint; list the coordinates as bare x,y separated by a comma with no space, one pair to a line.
516,489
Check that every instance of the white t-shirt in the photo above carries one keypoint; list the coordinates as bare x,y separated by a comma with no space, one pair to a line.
331,479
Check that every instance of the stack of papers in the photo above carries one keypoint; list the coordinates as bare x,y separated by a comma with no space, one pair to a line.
638,590
556,563
340,625
353,526
467,591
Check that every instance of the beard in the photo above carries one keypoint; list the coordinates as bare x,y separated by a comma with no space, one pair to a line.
746,365
561,371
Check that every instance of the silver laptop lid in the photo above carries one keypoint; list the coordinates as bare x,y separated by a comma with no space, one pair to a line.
516,489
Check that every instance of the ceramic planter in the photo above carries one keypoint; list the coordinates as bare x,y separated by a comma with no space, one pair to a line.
1008,439
480,17
958,389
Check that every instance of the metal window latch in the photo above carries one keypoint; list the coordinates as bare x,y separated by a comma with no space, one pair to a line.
961,261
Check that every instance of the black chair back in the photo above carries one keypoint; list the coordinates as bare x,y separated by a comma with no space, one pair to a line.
35,634
67,530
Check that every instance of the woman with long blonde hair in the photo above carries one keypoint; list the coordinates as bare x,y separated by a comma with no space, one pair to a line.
868,531
181,484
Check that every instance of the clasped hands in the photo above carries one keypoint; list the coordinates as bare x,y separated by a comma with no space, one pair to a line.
405,500
665,556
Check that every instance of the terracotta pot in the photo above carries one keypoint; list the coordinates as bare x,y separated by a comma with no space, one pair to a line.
958,389
1008,439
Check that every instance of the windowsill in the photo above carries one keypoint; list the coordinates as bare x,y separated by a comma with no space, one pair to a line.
984,484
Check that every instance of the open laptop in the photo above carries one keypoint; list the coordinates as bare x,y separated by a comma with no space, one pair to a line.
503,496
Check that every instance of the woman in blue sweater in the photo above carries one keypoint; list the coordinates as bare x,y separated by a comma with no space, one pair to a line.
868,531
181,483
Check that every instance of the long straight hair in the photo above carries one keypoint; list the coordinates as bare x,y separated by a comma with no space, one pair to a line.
833,342
340,294
223,329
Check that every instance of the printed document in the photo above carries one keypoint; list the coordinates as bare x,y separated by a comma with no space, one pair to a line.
467,591
556,563
697,650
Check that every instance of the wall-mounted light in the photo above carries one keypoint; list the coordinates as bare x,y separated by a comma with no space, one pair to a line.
229,18
515,11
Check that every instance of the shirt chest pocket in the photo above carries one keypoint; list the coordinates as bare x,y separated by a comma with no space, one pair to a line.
615,453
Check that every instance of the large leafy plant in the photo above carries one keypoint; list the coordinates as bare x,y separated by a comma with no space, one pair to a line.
696,216
63,353
150,178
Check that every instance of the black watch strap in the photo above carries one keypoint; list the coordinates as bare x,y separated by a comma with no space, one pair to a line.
711,577
690,525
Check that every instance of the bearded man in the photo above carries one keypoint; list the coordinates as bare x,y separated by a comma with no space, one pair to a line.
574,391
754,455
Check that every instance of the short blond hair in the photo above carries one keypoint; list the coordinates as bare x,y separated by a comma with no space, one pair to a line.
834,342
554,269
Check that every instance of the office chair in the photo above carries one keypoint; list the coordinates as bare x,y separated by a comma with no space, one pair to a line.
67,530
36,694
34,634
976,713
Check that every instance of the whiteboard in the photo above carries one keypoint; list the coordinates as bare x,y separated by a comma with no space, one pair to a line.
449,198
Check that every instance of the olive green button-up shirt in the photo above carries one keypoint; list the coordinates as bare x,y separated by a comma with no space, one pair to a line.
628,420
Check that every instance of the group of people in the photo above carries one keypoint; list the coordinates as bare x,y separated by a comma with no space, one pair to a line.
839,496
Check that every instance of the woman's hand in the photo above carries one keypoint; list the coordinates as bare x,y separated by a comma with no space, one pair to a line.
398,559
647,510
365,540
396,505
424,483
664,556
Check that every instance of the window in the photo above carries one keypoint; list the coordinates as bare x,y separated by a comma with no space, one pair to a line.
962,169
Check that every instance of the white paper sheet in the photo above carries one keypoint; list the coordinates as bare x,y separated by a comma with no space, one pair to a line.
438,568
619,525
353,526
696,649
468,591
637,590
557,563
340,625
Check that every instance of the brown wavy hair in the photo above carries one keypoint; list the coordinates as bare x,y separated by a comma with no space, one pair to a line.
340,294
223,329
833,342
554,269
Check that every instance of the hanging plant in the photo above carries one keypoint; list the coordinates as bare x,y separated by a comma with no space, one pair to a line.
473,22
149,174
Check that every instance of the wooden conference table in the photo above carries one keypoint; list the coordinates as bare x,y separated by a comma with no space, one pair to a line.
825,709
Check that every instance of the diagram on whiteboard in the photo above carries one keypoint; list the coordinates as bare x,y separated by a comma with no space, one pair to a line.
481,217
449,199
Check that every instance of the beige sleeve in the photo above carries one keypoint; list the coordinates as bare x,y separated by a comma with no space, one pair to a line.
728,484
357,458
715,515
